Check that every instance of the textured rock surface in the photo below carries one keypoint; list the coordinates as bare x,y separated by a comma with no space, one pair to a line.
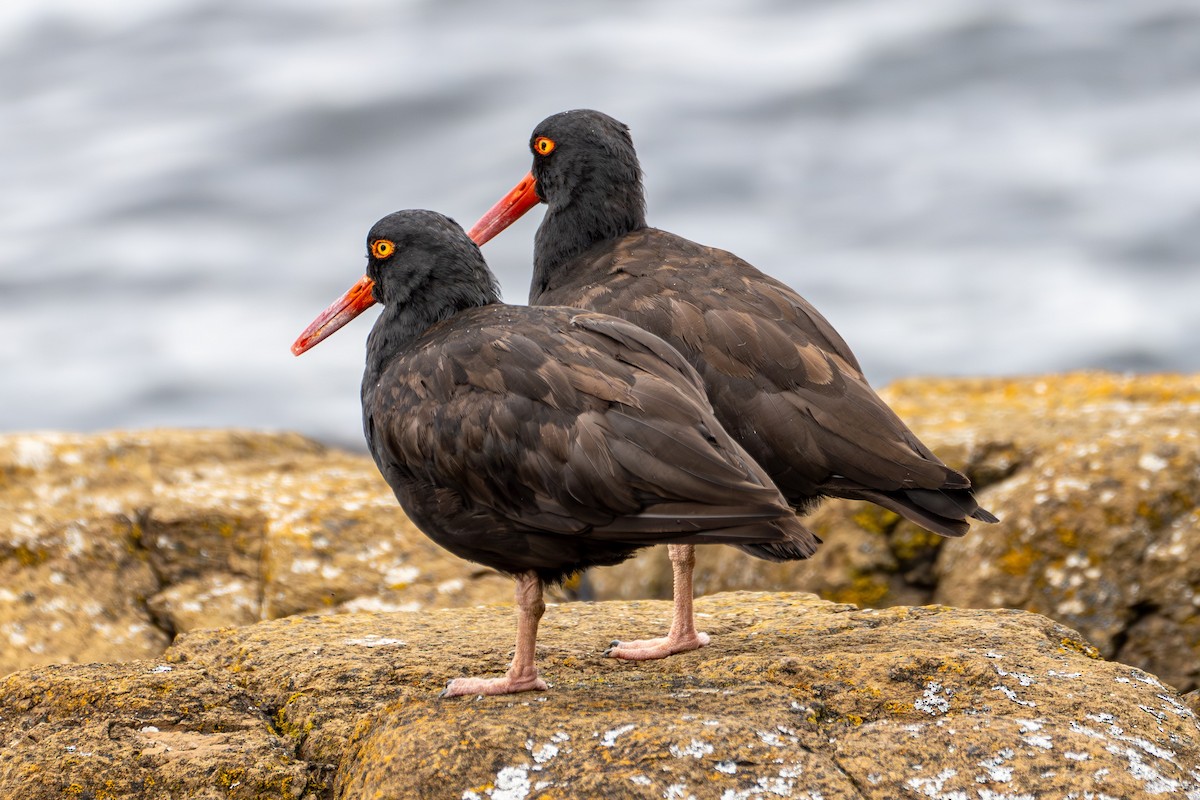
796,697
1101,525
1096,478
138,729
110,544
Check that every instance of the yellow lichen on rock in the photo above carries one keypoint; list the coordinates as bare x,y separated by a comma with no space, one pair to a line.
114,542
795,696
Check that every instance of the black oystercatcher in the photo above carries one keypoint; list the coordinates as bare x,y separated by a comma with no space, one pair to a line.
541,441
781,379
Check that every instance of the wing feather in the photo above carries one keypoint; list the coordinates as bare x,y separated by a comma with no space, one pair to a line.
568,424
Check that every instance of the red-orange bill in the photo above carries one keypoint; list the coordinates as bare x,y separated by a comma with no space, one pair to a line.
360,297
355,301
510,208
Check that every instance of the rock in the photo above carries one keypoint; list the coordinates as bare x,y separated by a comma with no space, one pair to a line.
1096,479
795,697
112,543
139,729
1101,520
76,585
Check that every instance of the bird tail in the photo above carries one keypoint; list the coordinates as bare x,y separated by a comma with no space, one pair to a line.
942,511
798,543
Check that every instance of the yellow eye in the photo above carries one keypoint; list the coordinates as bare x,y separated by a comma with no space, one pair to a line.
543,146
382,248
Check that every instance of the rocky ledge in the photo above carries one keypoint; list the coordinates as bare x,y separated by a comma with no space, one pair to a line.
111,544
796,697
133,548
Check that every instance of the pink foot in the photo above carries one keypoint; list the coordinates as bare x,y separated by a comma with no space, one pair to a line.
506,685
650,649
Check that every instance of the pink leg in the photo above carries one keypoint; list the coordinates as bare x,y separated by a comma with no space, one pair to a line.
683,635
522,674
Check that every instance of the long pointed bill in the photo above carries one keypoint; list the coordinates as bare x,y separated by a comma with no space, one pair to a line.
510,209
355,301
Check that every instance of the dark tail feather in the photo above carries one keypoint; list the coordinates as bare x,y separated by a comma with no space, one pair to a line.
983,515
963,500
942,511
949,503
799,544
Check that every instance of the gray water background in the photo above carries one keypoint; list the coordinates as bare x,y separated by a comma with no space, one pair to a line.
963,187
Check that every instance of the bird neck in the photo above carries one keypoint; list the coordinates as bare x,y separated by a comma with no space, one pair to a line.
584,220
400,325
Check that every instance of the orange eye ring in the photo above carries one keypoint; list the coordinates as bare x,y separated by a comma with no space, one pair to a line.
383,248
543,145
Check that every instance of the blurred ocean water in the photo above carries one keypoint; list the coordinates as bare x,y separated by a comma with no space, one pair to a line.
986,187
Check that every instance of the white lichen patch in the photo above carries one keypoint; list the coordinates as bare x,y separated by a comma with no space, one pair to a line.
639,779
374,640
1022,678
1153,781
935,786
512,783
33,453
610,736
768,787
1011,695
1152,463
17,636
1175,707
694,749
726,767
678,791
1065,485
1135,750
545,753
374,551
74,539
1158,715
305,566
378,604
997,768
1043,742
770,738
1073,607
1146,678
932,701
400,576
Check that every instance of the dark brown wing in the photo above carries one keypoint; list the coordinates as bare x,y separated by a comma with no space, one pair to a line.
782,380
514,433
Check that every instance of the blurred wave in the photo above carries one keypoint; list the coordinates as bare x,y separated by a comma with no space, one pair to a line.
963,188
